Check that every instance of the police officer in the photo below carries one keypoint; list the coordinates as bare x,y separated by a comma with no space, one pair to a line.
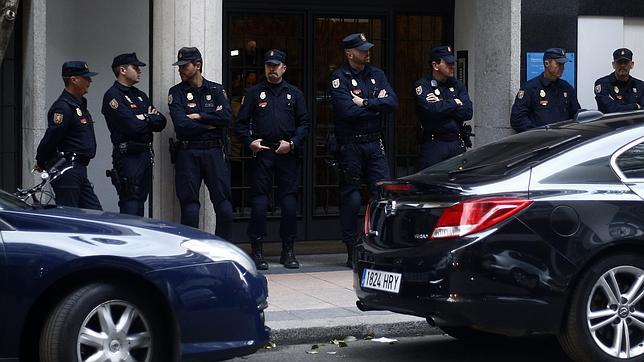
274,123
70,131
360,95
619,91
443,105
201,113
131,119
547,98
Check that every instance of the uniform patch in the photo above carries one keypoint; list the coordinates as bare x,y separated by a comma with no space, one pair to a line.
83,120
598,88
437,92
544,102
114,103
78,112
189,96
634,90
373,81
58,118
262,95
542,93
434,83
288,96
520,94
451,89
419,90
616,89
335,83
565,94
263,104
169,98
354,82
192,105
208,97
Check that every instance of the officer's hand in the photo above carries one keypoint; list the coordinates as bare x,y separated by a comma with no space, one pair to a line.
382,94
194,116
458,102
152,110
37,168
356,100
431,98
284,148
256,146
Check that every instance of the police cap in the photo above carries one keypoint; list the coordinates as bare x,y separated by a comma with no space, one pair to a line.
356,41
622,53
76,68
127,58
558,54
275,56
443,52
187,55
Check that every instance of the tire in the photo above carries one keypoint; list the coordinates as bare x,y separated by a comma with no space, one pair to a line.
601,300
470,335
143,338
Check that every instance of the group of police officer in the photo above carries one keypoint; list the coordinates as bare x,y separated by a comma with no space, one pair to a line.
274,124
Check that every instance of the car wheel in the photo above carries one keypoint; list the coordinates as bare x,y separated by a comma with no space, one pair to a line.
606,315
470,335
104,322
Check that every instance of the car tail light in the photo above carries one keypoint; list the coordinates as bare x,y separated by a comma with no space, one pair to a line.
471,216
397,187
367,219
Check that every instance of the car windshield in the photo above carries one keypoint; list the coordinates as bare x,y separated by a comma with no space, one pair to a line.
511,152
9,201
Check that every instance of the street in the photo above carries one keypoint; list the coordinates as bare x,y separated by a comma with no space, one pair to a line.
426,348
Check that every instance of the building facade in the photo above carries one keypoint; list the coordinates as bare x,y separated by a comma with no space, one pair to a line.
493,39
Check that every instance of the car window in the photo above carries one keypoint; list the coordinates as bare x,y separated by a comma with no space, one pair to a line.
631,162
8,201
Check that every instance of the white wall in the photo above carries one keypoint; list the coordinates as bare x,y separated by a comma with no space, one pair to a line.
95,31
597,38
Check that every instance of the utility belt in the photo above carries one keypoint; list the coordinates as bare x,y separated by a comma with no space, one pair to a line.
78,158
359,138
198,145
132,148
444,137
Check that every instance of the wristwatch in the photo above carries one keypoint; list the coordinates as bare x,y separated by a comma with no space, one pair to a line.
365,102
291,144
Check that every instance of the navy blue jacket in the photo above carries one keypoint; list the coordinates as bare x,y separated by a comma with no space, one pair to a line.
351,119
445,115
540,102
273,113
70,128
210,101
613,95
126,113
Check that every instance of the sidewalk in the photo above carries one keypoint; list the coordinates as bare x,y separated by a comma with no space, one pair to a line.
316,303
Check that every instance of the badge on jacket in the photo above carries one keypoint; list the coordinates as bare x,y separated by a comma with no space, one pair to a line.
114,103
598,88
335,83
419,90
58,118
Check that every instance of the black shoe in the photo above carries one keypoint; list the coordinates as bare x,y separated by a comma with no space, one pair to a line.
288,257
349,256
349,263
257,255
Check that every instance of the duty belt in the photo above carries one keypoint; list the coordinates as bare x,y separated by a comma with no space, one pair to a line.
131,147
359,138
75,157
199,145
445,137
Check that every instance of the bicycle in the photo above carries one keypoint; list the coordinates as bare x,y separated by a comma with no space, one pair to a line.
42,194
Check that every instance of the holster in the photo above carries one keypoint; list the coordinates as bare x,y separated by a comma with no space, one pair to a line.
173,150
466,135
116,180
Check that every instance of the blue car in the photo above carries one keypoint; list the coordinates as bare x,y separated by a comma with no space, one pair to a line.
85,285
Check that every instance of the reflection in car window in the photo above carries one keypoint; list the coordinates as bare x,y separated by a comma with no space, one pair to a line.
8,201
631,162
494,157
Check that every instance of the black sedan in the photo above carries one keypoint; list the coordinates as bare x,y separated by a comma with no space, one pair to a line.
85,285
541,232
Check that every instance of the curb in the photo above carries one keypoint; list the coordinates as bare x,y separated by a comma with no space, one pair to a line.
323,334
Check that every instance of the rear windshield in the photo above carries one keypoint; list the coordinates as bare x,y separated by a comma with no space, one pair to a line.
512,153
8,201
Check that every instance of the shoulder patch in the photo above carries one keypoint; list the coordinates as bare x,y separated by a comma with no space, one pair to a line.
114,103
520,94
419,90
169,98
336,83
58,118
598,88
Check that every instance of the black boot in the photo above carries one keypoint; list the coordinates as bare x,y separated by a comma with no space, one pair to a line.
288,257
257,254
349,256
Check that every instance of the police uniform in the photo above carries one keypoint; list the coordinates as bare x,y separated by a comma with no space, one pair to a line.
70,131
541,101
613,95
274,112
200,147
358,131
126,112
442,115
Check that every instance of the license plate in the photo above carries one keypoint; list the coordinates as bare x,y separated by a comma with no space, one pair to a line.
381,280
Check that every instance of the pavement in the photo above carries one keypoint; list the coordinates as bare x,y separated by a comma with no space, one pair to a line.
316,303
